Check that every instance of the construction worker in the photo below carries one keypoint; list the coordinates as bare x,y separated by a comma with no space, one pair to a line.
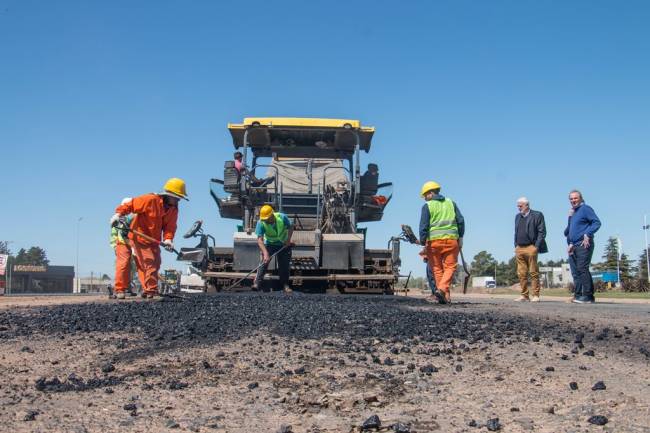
442,227
274,231
155,214
123,257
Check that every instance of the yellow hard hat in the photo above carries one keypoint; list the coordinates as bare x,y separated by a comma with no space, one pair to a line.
266,212
175,187
428,186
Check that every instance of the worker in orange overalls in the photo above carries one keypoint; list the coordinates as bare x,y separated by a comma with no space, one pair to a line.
122,247
155,214
442,227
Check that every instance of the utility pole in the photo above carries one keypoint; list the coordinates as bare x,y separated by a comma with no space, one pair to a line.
645,231
77,265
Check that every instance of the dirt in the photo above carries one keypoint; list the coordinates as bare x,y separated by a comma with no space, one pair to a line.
311,363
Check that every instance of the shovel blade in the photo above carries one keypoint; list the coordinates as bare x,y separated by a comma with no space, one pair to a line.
191,255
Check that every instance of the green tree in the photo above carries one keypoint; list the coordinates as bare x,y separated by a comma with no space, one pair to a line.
626,268
483,264
4,248
610,256
33,256
507,272
642,267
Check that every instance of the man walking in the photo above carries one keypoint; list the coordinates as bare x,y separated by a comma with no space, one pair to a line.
274,231
442,227
155,214
530,240
582,225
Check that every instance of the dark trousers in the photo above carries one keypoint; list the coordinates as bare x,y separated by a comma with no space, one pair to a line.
431,280
282,261
579,262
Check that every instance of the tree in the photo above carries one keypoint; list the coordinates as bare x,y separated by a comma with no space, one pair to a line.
610,256
642,269
33,256
4,248
507,272
483,264
626,268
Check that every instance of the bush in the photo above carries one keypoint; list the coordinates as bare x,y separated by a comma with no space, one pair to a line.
636,285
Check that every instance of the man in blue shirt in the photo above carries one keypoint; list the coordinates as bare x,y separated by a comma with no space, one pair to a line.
582,225
274,231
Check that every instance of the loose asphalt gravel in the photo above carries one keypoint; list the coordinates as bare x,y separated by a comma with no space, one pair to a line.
311,363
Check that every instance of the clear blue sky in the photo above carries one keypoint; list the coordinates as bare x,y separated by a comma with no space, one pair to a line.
494,100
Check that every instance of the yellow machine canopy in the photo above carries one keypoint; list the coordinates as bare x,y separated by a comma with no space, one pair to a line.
301,137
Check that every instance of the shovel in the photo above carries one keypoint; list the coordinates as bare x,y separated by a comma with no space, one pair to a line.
149,238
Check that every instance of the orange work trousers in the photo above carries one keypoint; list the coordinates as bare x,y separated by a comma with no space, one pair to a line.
122,267
147,262
442,255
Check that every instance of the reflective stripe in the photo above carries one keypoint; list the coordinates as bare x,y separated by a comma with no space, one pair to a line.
442,223
443,232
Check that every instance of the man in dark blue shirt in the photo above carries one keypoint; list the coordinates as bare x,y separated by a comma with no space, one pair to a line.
582,225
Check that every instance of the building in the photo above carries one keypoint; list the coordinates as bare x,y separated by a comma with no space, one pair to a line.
557,276
92,284
37,279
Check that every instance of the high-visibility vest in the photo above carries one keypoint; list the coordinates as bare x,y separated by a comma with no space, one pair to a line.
275,233
442,219
120,236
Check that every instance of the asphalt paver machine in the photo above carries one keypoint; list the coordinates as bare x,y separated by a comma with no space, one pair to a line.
309,169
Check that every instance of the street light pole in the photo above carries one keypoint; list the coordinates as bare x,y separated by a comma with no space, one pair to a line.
8,280
645,231
77,264
618,261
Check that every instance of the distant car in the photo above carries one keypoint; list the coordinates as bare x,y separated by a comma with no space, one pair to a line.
490,284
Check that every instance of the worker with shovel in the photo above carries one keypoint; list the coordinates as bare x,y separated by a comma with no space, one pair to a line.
155,215
274,231
442,227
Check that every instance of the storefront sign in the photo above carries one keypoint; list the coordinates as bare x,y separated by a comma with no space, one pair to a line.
3,263
30,268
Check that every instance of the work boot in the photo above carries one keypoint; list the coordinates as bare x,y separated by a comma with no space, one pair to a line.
120,295
534,299
440,297
153,296
287,289
522,298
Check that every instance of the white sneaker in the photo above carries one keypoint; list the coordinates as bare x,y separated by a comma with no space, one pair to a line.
522,299
120,295
534,299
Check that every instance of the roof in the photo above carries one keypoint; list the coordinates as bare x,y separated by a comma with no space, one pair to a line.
301,137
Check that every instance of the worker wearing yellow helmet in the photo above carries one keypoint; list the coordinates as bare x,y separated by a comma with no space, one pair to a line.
155,217
274,231
442,227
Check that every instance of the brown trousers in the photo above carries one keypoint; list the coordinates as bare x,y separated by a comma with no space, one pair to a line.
527,264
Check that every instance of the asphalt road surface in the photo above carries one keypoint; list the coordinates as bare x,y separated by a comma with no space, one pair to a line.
311,363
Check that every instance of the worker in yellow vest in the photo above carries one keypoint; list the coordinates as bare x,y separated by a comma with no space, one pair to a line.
274,231
442,227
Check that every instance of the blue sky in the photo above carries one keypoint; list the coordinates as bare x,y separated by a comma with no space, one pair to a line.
494,100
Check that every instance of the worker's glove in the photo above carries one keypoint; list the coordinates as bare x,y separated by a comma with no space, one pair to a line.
460,242
115,219
168,245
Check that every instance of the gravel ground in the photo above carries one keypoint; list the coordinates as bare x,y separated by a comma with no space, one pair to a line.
310,363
